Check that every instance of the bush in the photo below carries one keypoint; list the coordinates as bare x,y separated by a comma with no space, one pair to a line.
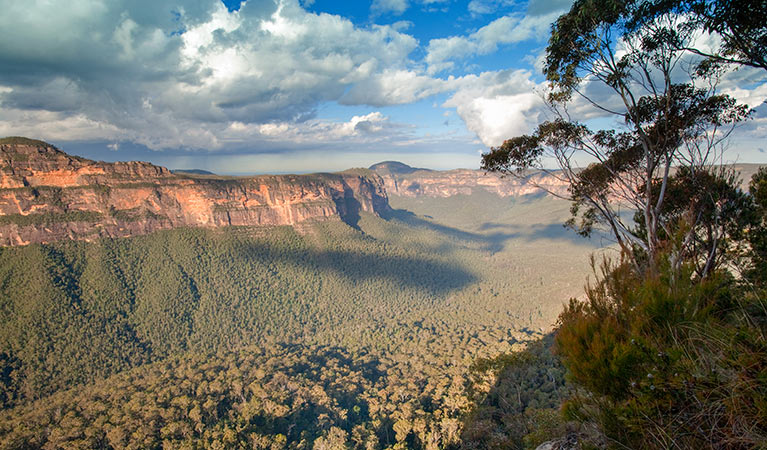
667,361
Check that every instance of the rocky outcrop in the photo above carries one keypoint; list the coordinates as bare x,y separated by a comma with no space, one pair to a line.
405,181
48,195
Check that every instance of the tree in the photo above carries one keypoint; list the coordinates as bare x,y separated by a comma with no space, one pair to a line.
742,25
756,272
668,349
672,116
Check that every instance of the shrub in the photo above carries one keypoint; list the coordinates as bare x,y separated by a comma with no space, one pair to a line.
667,361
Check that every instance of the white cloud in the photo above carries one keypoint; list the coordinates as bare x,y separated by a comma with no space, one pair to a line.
498,105
393,87
165,76
402,25
397,7
363,127
442,53
534,7
748,85
198,76
488,6
389,6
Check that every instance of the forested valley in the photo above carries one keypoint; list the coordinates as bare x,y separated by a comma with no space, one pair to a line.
467,320
319,336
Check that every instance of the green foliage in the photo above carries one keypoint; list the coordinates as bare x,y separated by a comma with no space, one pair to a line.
50,218
667,121
256,397
578,35
741,25
516,399
757,234
668,350
575,37
668,359
75,312
723,211
102,342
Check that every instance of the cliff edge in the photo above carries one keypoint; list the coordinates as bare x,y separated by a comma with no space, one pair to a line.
48,195
405,181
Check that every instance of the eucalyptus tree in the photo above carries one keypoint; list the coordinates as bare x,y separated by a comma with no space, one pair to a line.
668,114
741,26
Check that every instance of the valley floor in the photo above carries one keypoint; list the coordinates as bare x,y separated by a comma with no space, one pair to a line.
272,337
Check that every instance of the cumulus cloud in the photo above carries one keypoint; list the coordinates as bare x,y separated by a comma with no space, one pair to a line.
442,53
394,87
197,76
165,76
498,105
748,85
366,128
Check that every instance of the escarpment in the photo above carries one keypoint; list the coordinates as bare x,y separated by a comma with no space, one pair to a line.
405,181
48,195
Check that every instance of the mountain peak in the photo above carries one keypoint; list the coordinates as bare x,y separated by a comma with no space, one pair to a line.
394,167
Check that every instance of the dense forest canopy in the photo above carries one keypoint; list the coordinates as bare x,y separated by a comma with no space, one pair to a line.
416,330
139,342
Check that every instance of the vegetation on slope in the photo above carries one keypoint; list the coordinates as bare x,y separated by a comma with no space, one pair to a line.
412,301
19,140
668,349
256,397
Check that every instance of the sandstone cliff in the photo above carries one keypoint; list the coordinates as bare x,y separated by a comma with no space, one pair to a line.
405,181
402,180
48,195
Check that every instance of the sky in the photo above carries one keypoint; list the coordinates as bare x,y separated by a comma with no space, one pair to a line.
276,86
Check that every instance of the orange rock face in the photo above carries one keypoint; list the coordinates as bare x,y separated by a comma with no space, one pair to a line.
48,195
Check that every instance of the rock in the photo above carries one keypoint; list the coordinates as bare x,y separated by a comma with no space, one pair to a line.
402,180
47,195
569,442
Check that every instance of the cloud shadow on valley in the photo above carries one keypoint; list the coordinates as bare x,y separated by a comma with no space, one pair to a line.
437,277
494,237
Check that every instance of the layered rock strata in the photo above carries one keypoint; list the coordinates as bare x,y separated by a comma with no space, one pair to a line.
47,195
405,181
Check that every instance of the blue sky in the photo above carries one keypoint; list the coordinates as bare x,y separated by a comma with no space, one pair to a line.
287,85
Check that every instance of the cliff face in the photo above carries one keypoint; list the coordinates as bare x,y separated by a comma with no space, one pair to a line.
48,195
404,182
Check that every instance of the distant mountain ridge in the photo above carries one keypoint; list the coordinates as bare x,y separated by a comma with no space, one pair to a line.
405,181
395,167
48,195
193,171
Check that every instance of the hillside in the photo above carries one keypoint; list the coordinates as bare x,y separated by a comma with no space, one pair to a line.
209,335
415,299
47,195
